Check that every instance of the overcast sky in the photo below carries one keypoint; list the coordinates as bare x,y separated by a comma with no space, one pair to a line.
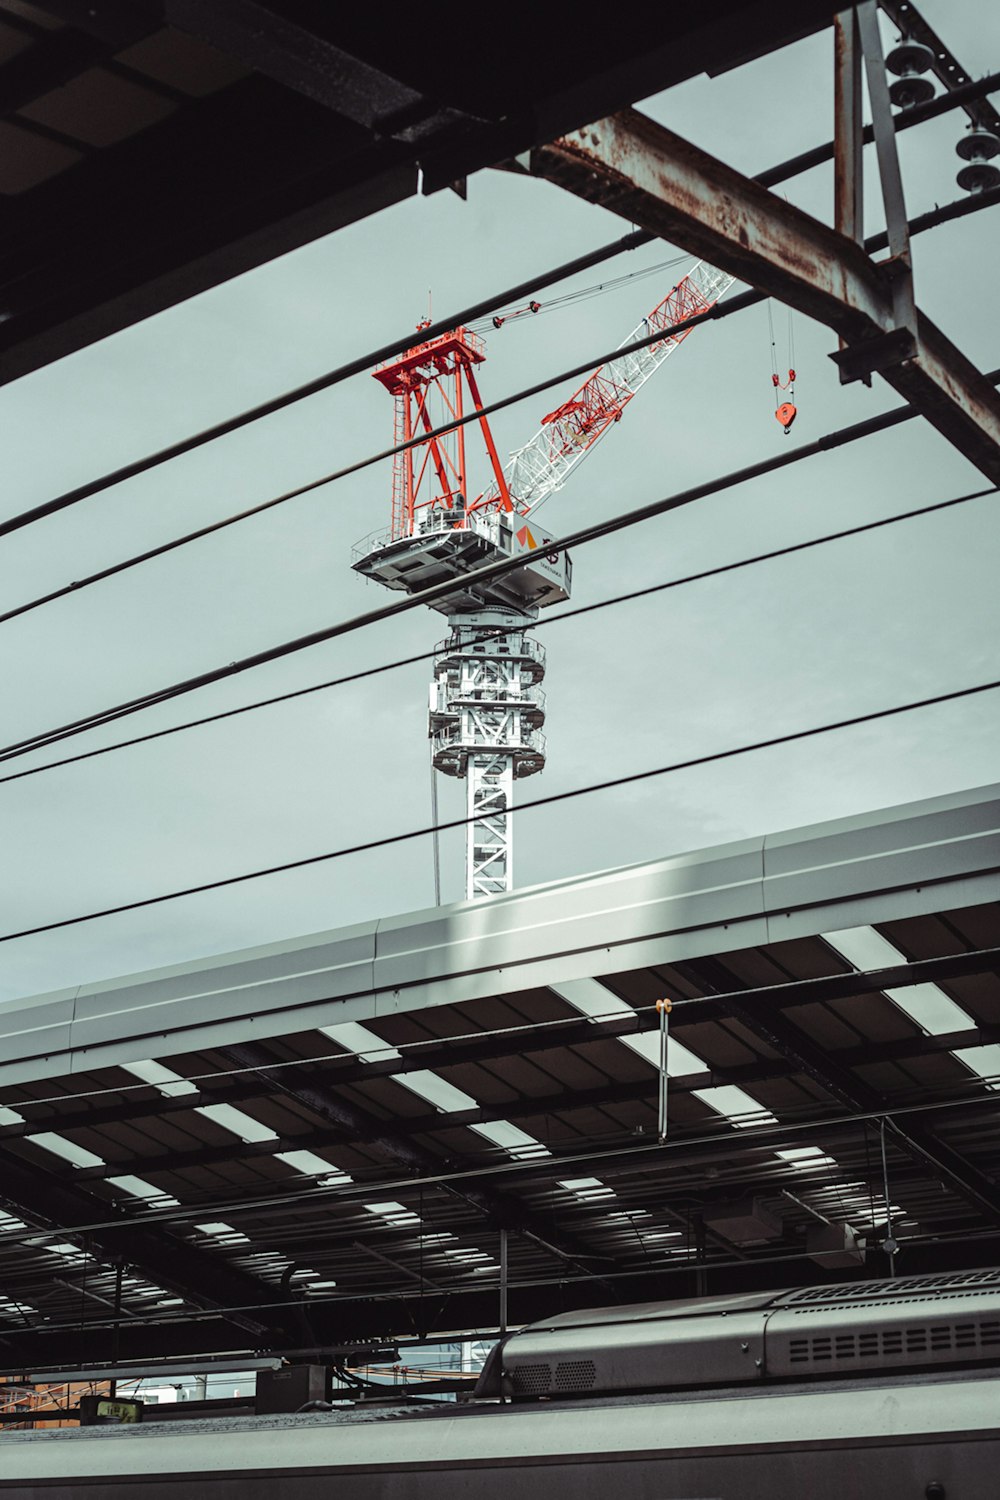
855,626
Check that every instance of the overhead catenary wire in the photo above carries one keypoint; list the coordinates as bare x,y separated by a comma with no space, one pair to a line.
719,311
546,620
916,114
551,799
735,304
430,596
323,382
782,172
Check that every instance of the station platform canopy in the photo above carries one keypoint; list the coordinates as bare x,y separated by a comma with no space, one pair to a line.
357,1135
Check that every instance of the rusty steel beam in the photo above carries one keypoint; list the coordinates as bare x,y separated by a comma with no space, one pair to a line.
654,178
848,136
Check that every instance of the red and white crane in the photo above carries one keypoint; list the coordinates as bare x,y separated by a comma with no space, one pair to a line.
486,708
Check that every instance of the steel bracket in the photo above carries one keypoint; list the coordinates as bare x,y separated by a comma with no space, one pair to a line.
861,361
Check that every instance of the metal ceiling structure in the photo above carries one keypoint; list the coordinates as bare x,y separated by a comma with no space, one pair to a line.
361,1135
436,1124
152,148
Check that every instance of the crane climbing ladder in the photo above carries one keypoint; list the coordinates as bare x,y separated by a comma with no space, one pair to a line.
486,706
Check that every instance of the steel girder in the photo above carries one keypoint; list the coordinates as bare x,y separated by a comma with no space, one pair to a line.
917,1140
450,1053
499,1209
647,174
467,1311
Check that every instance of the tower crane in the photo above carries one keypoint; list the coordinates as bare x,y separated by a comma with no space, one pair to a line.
486,706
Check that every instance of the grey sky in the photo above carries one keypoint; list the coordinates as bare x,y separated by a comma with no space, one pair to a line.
852,627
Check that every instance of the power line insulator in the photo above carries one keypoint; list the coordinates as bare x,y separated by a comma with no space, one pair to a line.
908,61
977,147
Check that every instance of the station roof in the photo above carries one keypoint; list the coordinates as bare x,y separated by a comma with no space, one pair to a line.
150,149
328,1141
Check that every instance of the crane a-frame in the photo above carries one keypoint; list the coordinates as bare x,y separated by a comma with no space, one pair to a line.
486,706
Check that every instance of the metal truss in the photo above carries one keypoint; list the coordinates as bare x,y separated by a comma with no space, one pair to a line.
485,724
567,435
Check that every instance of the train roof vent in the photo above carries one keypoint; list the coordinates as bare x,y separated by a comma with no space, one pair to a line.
884,1291
575,1375
931,1343
532,1380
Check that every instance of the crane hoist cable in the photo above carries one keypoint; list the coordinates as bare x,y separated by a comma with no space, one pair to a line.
581,294
784,411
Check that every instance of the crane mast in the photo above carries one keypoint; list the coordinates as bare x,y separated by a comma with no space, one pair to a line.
486,706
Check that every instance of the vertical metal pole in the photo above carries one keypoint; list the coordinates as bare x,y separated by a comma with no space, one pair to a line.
888,1244
503,1282
700,1250
664,1008
435,837
116,1327
848,143
899,263
884,130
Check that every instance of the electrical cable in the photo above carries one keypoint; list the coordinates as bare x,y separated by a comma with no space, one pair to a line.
547,801
916,115
429,596
743,300
735,304
780,173
356,366
546,620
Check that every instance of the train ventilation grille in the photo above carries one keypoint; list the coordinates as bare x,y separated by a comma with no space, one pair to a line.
912,1288
576,1375
532,1380
936,1339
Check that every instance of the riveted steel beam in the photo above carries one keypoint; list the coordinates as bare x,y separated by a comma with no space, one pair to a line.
649,175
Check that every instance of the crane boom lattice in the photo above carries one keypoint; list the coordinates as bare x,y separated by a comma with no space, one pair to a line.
569,433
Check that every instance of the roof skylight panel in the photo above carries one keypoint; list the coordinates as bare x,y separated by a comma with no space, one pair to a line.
238,1122
437,1091
138,1187
224,1233
354,1037
311,1165
165,1079
983,1061
739,1108
926,1004
510,1138
591,999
